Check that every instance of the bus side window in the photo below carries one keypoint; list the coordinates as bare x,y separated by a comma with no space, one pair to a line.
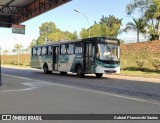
44,51
34,52
78,48
39,51
63,49
70,49
50,50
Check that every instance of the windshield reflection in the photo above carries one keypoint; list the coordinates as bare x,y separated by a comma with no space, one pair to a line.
107,52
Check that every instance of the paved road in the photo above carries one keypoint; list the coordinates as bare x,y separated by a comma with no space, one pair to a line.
132,88
22,95
34,92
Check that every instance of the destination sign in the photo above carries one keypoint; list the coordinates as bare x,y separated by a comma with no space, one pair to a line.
111,41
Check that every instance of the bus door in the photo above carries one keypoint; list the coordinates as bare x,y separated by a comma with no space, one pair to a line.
55,57
89,58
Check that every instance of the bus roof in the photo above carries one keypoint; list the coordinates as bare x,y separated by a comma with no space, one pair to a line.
78,40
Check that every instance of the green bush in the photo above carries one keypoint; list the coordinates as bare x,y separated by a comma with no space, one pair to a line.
5,62
154,36
140,63
21,63
123,63
156,64
13,62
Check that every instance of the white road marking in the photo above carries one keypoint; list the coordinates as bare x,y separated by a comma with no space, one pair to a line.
17,90
26,78
29,85
90,90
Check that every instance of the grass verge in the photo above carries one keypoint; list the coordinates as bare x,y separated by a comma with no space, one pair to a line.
21,66
148,74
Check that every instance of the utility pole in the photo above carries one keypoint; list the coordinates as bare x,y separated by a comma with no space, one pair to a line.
86,19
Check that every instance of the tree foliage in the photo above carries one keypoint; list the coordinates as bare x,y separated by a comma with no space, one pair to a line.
5,51
139,26
108,26
141,5
150,10
17,47
84,33
33,43
50,33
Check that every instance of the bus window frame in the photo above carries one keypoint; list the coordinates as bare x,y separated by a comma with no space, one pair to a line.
73,50
35,51
46,53
65,51
50,52
40,51
79,44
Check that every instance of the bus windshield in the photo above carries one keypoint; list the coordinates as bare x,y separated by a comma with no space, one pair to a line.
107,52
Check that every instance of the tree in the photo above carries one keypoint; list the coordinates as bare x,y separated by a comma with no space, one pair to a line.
70,36
50,33
74,35
41,40
56,36
108,26
45,30
141,5
138,26
96,30
150,15
17,48
5,51
84,33
150,9
33,43
157,14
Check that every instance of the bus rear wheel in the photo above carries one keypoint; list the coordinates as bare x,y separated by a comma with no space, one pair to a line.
45,69
99,75
79,71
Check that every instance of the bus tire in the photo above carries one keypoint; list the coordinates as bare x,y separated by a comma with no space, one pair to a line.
63,73
99,75
79,71
45,69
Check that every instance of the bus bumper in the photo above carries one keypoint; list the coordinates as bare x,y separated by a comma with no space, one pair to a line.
105,70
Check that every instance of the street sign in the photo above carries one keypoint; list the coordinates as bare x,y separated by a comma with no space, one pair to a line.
18,29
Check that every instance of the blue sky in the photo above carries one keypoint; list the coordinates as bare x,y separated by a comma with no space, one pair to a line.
66,18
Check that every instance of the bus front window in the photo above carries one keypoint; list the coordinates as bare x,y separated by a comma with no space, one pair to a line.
107,52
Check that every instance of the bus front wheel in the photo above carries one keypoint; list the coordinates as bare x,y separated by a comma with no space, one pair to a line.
99,75
45,68
79,71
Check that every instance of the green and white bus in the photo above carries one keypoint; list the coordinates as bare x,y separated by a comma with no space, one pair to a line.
97,55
